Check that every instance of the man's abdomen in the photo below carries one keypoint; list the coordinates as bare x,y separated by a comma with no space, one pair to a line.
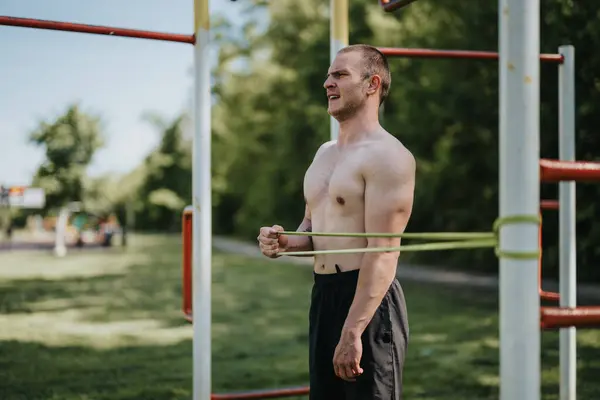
337,223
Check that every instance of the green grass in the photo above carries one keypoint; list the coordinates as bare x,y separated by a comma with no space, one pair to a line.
106,324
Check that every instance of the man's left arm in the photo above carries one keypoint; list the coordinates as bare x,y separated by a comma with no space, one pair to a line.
389,192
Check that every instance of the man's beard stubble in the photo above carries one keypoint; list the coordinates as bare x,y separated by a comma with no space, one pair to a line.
348,109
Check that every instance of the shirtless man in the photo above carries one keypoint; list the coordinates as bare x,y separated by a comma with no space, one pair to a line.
363,182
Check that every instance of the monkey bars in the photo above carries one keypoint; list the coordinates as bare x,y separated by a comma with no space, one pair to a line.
95,29
562,171
566,316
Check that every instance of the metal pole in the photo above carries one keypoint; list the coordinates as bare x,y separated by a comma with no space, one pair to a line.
338,39
60,246
94,29
519,64
566,217
202,217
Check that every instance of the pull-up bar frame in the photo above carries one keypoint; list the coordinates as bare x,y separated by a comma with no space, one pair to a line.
519,145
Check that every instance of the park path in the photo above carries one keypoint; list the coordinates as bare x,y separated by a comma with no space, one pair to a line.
585,292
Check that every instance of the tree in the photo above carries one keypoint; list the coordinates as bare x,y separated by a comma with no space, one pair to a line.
270,116
70,142
166,185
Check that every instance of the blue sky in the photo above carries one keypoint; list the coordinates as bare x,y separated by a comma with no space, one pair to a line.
117,78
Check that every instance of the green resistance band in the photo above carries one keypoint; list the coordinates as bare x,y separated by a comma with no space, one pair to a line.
515,219
450,240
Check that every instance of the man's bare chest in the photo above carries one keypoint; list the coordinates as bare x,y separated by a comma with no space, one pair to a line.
334,180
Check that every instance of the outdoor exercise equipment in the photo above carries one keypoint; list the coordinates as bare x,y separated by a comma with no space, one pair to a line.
186,239
520,288
516,237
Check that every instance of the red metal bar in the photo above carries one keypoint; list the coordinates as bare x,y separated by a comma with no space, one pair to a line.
560,171
392,5
263,394
551,296
564,317
186,239
549,205
432,53
95,29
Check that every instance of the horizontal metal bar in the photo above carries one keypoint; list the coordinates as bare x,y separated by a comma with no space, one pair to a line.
550,296
433,53
549,204
95,29
263,394
563,317
561,171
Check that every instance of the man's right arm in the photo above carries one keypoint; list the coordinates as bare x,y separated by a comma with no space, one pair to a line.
301,243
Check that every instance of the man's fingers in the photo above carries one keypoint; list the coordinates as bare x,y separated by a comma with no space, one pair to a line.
267,241
339,371
274,231
349,373
345,372
268,232
356,369
270,253
270,247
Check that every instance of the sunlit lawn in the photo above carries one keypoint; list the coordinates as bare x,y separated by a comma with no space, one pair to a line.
107,325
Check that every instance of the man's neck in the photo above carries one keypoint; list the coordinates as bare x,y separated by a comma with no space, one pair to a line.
358,127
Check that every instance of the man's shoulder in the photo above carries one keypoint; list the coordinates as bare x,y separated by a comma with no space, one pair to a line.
390,152
324,147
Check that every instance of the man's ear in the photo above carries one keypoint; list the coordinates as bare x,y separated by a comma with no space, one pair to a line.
374,84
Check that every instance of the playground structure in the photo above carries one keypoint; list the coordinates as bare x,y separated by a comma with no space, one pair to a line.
565,171
521,316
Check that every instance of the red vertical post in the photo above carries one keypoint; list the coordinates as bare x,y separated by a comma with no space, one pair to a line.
186,236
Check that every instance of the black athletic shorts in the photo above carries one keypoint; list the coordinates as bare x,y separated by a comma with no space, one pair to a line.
384,341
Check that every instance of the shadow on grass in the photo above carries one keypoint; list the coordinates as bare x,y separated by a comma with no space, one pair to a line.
32,371
454,348
109,326
118,333
108,287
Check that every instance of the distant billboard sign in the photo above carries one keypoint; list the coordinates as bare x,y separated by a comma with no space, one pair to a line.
26,197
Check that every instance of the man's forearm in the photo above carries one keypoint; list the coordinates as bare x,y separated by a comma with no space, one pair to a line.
301,243
374,279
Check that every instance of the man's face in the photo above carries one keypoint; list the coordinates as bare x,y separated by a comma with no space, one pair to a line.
345,85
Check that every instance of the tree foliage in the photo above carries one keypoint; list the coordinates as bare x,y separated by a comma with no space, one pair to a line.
165,187
269,118
70,143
